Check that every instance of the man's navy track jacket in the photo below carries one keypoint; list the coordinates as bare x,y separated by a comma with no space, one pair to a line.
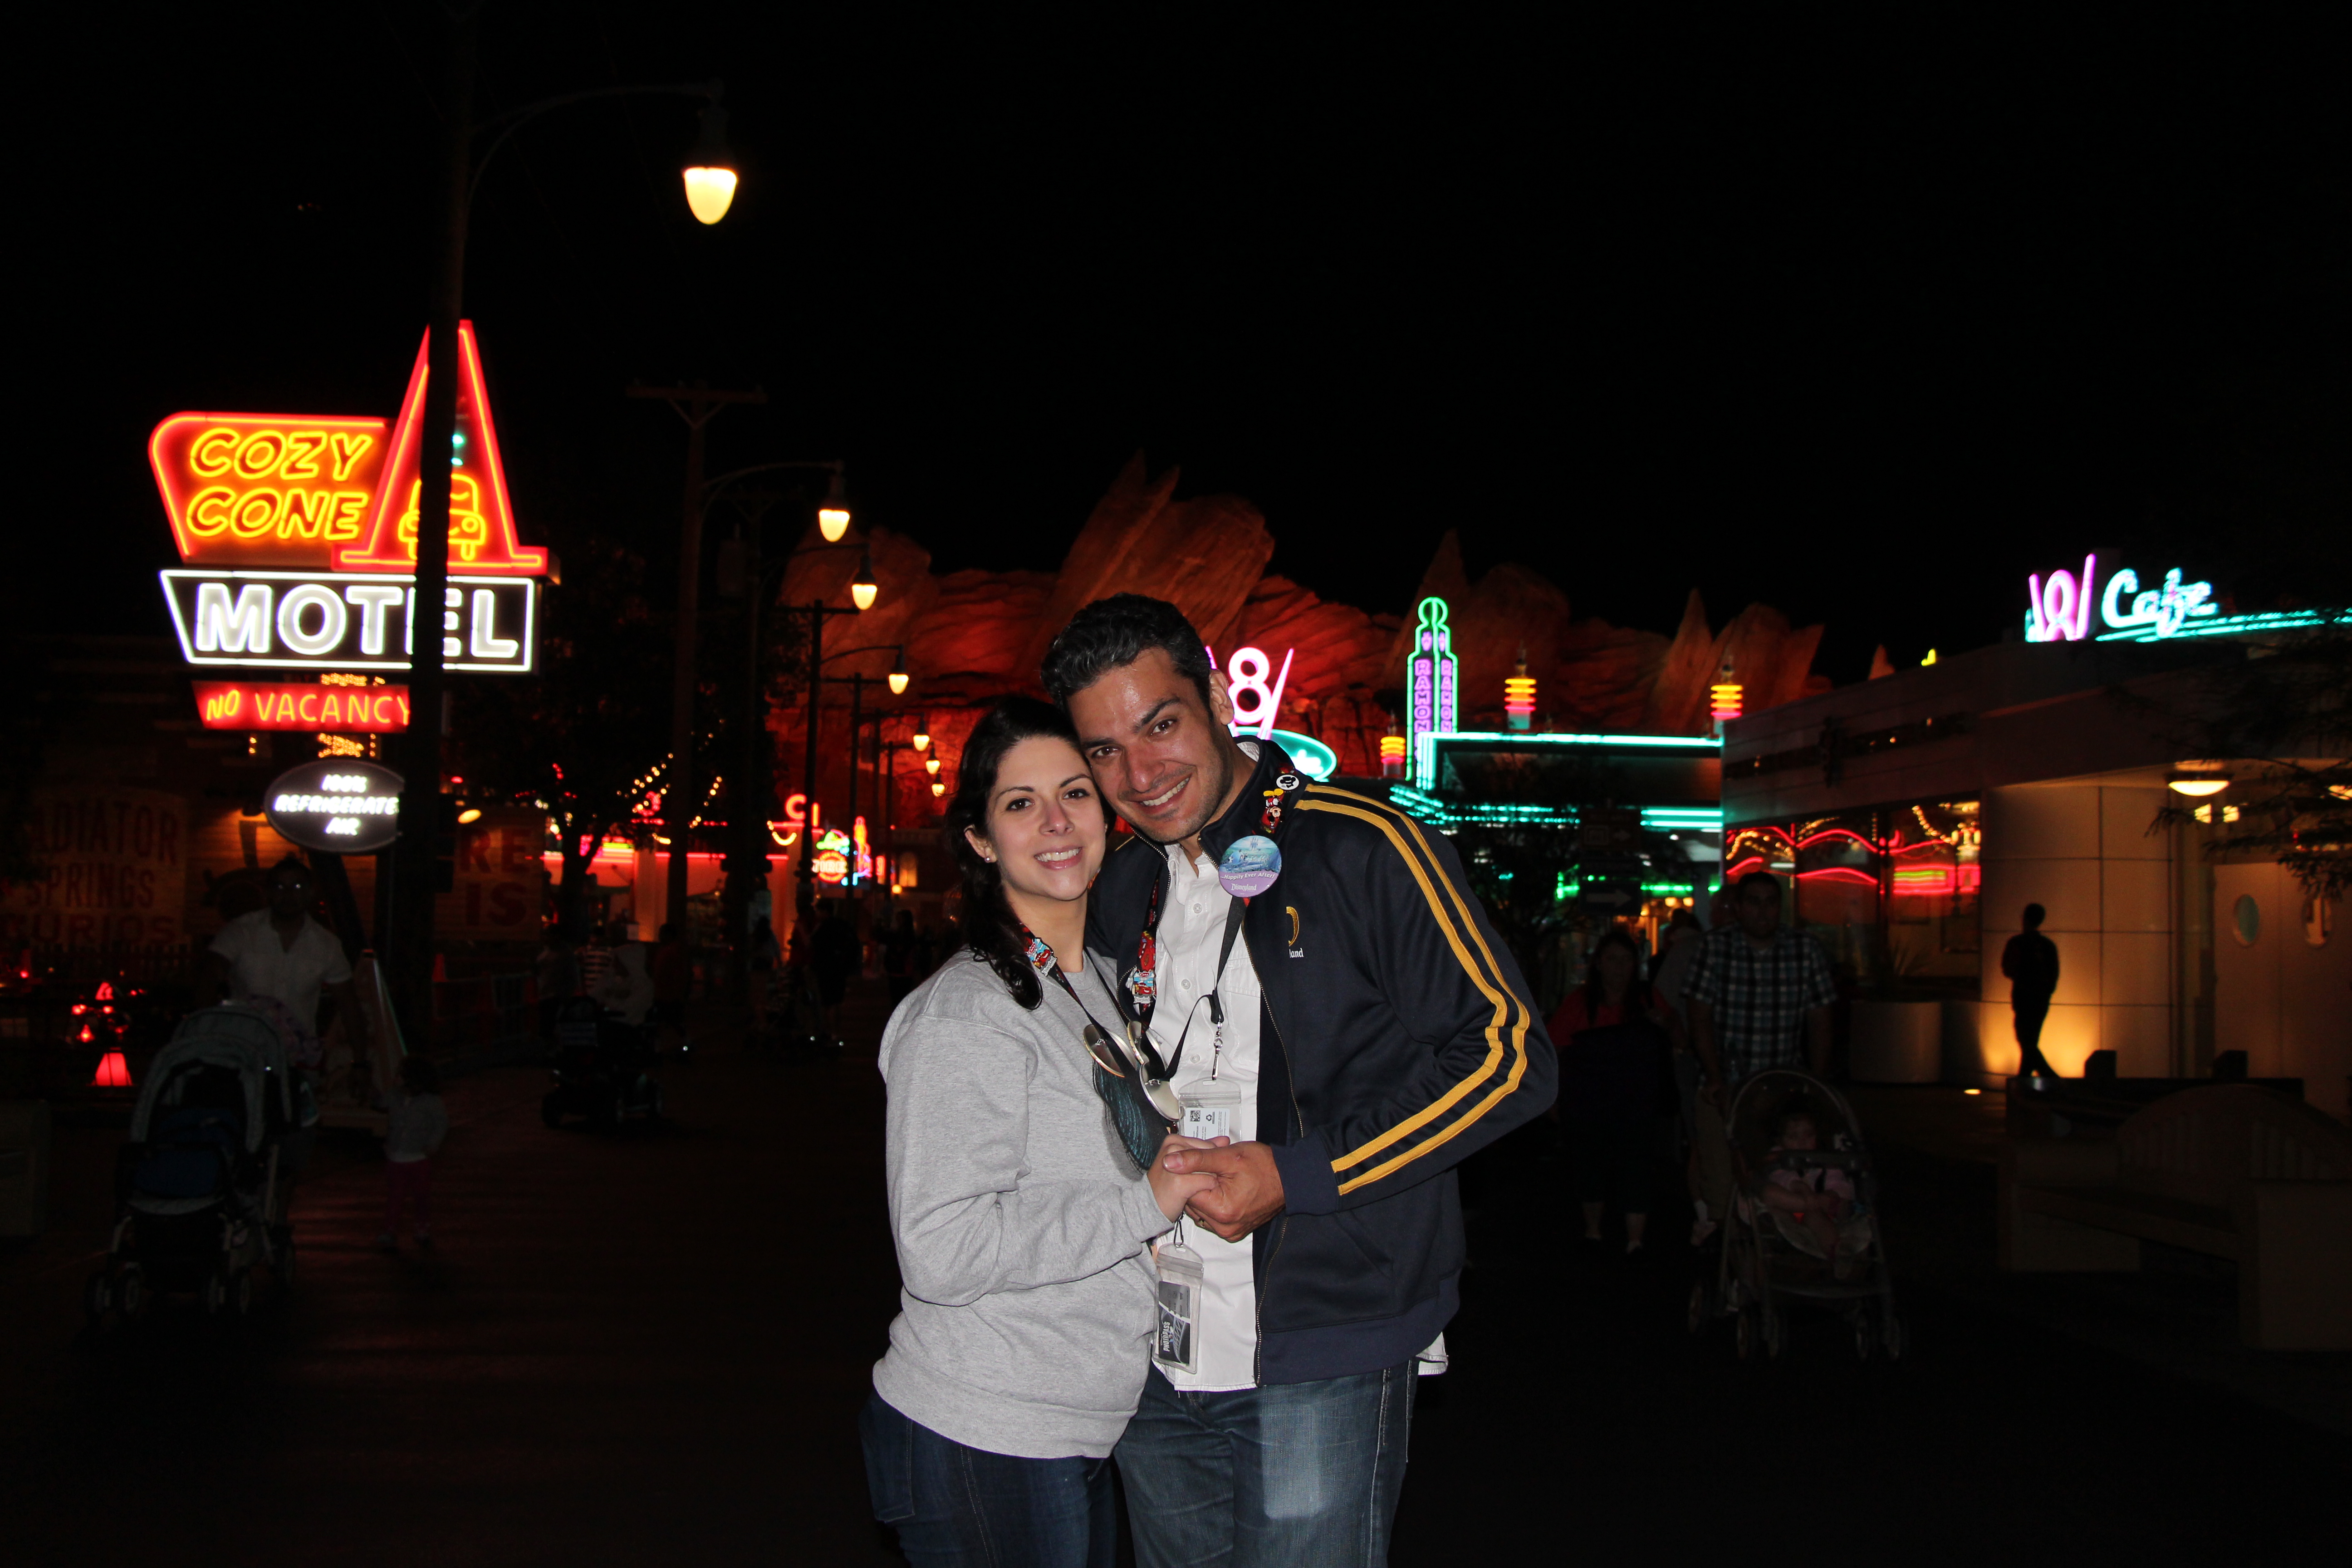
1397,1036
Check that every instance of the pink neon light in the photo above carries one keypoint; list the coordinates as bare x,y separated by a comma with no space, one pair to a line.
2061,608
1838,874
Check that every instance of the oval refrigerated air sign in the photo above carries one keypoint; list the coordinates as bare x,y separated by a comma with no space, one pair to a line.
338,805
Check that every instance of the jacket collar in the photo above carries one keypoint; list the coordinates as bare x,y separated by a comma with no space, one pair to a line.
1242,818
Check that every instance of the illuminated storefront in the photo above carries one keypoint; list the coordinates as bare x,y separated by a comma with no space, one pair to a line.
1916,815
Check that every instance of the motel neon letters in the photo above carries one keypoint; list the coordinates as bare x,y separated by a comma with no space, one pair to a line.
297,533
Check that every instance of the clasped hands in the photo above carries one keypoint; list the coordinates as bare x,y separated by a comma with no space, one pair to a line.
1226,1187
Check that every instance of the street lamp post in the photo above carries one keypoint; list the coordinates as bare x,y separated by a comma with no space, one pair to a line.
697,406
748,805
857,683
413,891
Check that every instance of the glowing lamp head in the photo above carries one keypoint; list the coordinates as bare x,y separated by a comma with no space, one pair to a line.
937,788
471,814
710,170
832,516
899,675
2198,784
710,192
931,765
863,589
921,740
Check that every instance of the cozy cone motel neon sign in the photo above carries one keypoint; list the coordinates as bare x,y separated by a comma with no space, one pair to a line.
298,539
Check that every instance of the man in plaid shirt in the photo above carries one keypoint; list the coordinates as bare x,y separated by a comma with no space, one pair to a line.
1758,996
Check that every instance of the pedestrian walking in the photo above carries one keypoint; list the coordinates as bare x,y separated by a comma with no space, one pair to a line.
760,959
898,947
2030,961
673,982
835,951
555,974
1023,1221
1759,996
413,1130
1616,1085
1322,987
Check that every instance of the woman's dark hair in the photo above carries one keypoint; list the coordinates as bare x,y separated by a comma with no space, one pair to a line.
1111,634
1614,936
990,928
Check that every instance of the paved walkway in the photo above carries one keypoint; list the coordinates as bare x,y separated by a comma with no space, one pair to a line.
649,1348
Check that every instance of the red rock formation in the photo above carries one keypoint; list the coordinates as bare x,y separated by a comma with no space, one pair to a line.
972,635
1204,555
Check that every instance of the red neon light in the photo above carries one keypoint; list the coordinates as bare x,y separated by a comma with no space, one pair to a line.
1741,868
1838,874
113,1072
270,705
481,520
265,490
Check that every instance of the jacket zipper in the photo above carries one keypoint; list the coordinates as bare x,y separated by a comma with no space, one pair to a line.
1297,1126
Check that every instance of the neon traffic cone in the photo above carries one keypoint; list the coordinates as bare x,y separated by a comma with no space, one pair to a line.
113,1072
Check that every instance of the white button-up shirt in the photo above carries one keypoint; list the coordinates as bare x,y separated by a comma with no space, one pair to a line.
1192,927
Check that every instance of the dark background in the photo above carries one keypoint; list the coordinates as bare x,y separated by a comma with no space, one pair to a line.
1865,314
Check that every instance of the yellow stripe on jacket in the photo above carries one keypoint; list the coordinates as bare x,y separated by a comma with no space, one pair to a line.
1505,1032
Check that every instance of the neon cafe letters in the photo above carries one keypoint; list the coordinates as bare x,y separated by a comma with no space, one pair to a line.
297,538
2058,608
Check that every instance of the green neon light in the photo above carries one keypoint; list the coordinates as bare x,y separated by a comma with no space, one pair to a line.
1424,762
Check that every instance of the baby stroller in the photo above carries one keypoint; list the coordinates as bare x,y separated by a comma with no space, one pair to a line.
600,1069
198,1178
1764,1262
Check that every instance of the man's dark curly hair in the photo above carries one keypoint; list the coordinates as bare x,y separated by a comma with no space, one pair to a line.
1111,634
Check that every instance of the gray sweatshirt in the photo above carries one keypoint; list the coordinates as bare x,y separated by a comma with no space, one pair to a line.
1023,1230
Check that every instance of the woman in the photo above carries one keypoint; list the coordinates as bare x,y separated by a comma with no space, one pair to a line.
761,954
1024,1229
1614,1069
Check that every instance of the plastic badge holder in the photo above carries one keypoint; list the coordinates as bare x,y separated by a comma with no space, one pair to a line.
1176,1344
1211,1110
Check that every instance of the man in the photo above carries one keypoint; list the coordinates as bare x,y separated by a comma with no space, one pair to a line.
2030,961
673,974
1366,1031
279,952
1759,996
898,957
837,955
628,987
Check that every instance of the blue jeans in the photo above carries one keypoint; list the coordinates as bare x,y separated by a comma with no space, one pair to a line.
954,1506
1297,1475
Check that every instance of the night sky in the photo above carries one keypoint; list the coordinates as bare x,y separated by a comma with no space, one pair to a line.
1862,314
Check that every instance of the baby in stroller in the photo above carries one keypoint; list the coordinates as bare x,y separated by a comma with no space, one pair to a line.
1814,1207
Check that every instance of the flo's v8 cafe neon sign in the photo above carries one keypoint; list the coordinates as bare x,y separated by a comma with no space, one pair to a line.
2058,608
297,533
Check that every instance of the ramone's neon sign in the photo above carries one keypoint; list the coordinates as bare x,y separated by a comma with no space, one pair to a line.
2058,608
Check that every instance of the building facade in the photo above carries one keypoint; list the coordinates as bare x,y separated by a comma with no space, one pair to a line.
1915,814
